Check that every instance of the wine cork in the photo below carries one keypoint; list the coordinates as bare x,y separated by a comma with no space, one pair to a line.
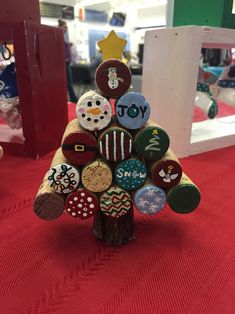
48,205
132,111
78,146
72,126
115,144
184,197
97,176
94,112
150,199
113,78
82,204
115,202
130,174
152,142
166,172
62,176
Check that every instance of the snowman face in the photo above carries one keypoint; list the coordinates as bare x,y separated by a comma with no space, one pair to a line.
94,112
112,73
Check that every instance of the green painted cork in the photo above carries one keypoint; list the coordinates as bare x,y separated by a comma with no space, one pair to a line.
152,142
130,174
184,197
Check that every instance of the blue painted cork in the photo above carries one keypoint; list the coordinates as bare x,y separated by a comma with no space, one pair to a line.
132,110
130,174
150,199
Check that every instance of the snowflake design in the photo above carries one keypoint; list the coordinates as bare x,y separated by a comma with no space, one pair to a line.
143,203
150,193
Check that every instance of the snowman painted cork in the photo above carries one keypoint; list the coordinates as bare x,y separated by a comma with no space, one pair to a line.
94,112
113,78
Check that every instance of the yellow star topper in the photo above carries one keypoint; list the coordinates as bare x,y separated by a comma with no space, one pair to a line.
155,132
112,46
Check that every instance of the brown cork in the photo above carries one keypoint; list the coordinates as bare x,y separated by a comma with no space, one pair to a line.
49,205
58,158
97,176
72,127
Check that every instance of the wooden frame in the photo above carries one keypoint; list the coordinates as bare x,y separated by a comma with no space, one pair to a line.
41,82
171,60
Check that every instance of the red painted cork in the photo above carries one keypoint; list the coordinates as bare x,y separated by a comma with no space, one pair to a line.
82,204
80,147
113,78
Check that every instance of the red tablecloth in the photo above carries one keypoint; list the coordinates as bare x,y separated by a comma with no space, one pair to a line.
177,264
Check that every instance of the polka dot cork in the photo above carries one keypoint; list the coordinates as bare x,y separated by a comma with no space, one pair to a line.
82,204
115,144
150,199
115,202
113,78
80,147
132,111
130,174
94,112
152,142
97,176
63,178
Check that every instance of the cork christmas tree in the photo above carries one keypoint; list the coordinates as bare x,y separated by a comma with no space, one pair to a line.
114,160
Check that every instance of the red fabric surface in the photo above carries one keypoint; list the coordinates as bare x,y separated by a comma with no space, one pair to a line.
177,264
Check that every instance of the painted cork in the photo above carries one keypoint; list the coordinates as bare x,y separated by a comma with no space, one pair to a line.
115,202
82,204
150,199
79,147
97,176
130,174
113,78
166,172
63,178
115,144
152,142
184,197
94,112
132,111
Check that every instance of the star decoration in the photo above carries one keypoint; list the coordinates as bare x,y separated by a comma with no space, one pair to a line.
155,131
112,46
